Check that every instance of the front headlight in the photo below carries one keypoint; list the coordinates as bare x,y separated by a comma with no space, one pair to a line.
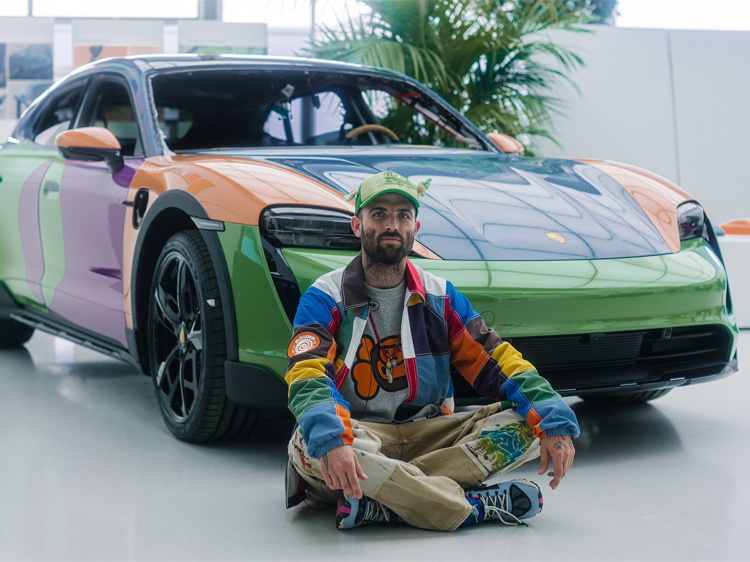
309,227
691,220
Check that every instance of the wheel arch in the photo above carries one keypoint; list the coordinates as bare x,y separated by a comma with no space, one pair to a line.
172,212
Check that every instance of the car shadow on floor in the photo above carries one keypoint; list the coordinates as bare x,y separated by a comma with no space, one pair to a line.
607,434
267,441
16,360
617,432
90,370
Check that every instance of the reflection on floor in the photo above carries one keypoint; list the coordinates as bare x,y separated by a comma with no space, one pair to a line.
89,472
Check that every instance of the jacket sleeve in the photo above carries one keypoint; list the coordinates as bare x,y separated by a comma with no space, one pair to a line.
497,370
314,400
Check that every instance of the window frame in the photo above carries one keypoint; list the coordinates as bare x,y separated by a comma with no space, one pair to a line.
29,132
87,112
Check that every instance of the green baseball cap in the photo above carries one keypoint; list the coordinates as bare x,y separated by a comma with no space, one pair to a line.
387,182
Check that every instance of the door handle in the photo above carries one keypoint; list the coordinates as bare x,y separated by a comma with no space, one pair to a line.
51,186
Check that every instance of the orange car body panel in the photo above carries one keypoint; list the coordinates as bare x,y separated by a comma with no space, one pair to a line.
230,189
657,196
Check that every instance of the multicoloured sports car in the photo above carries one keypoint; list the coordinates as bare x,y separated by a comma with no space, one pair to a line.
169,211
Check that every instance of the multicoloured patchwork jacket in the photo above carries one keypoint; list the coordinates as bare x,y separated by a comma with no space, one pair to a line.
439,329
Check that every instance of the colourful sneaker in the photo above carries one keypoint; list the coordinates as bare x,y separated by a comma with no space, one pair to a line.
509,502
353,512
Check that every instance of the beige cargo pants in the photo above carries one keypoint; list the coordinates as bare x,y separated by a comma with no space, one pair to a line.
420,469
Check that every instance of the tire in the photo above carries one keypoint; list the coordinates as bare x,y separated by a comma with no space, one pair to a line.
13,334
187,345
625,398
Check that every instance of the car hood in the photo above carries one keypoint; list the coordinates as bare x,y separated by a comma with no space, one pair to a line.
485,206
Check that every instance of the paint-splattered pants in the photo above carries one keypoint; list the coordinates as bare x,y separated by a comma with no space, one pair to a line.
420,469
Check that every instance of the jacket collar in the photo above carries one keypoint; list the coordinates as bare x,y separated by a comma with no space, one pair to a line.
354,293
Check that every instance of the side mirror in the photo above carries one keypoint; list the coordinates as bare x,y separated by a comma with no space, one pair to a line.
92,144
506,143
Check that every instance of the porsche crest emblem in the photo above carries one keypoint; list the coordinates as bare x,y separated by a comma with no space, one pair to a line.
556,237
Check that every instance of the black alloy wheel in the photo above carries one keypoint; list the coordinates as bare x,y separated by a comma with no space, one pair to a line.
187,345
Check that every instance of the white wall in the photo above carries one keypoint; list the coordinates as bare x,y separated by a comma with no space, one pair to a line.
287,42
674,102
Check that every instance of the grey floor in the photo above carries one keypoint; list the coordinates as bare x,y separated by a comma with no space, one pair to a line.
89,472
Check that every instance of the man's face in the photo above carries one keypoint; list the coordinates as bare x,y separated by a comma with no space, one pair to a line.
387,227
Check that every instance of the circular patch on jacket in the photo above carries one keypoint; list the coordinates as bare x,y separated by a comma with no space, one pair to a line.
306,341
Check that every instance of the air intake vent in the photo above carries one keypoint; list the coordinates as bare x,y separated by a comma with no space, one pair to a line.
559,352
605,360
685,345
664,348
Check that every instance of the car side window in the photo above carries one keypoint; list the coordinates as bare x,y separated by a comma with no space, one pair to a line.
114,111
60,112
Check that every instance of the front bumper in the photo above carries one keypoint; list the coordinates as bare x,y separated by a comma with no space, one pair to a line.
592,301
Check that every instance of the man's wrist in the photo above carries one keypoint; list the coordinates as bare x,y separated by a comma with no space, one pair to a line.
562,432
325,447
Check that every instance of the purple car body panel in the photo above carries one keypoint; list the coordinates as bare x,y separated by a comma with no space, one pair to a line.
91,291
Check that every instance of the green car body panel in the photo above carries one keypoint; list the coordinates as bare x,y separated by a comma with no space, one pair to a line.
517,299
27,160
261,322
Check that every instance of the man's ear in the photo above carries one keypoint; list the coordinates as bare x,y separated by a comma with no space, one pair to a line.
417,224
357,226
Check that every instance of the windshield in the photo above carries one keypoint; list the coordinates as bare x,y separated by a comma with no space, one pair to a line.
205,109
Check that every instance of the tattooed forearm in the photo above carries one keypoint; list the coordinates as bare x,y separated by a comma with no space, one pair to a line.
325,460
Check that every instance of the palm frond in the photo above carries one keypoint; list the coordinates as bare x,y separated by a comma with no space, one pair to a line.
492,59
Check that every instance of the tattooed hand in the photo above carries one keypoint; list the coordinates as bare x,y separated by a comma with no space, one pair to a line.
341,470
559,449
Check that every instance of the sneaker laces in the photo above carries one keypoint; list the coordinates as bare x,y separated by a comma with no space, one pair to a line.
495,506
375,512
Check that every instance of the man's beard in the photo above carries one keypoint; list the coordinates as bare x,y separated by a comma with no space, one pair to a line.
388,254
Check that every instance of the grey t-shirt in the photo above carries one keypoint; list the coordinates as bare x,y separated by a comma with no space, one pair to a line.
371,395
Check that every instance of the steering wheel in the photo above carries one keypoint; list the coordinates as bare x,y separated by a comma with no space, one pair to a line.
356,131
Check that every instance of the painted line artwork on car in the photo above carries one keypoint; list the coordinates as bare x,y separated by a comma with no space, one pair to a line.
169,211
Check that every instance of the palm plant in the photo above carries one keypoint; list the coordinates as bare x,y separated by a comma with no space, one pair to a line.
491,59
602,11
